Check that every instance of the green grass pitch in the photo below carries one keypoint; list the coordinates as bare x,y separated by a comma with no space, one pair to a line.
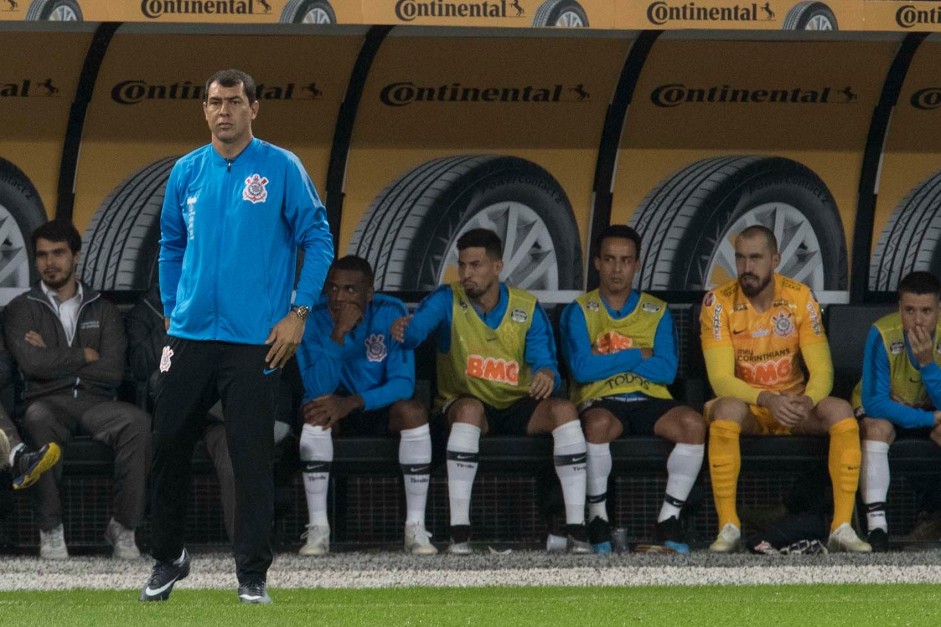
728,606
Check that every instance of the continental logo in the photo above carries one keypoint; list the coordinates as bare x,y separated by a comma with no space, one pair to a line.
660,13
409,10
406,92
676,94
155,9
927,99
910,16
9,6
29,88
135,91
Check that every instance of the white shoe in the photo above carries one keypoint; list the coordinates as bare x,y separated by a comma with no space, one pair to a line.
52,544
844,540
418,540
318,540
460,548
122,539
729,540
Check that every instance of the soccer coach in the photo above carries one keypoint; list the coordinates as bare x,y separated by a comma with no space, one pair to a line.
234,214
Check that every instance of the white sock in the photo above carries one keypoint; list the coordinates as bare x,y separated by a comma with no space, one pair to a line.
16,449
569,456
599,468
874,482
463,449
415,459
683,466
317,455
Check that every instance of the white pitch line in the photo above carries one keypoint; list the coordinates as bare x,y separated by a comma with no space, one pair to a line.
102,574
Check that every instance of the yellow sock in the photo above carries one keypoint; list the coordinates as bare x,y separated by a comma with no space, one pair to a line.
725,462
844,468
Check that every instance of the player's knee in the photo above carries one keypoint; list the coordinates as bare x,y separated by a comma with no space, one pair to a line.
467,410
877,430
728,408
832,410
409,414
692,427
597,426
561,411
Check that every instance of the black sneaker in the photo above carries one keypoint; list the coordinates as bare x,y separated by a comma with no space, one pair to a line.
254,592
29,465
163,576
460,540
669,533
878,539
599,535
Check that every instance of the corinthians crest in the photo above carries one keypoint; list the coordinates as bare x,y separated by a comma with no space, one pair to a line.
255,189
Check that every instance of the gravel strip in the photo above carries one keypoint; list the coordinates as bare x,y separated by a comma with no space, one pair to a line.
517,568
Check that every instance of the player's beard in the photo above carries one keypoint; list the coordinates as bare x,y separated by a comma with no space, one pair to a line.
753,289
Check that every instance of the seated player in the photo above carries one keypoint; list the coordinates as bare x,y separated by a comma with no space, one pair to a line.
757,331
496,370
359,382
620,348
900,390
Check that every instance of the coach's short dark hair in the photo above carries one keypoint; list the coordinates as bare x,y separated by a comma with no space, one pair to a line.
231,78
353,263
59,231
759,229
482,238
618,231
920,282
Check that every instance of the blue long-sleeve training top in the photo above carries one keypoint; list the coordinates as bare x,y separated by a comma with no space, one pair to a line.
230,231
369,362
433,316
586,366
877,386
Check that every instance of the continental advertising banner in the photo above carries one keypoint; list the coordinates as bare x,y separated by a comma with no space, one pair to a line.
461,132
512,13
829,15
848,15
199,11
908,210
775,138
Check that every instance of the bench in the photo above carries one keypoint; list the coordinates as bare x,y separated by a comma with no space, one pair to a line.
366,500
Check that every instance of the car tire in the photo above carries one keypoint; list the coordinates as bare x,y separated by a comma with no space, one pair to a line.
562,13
54,10
810,16
308,12
121,243
410,230
911,239
21,211
689,220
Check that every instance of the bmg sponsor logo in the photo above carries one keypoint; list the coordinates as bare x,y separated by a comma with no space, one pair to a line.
927,99
404,93
675,94
910,16
136,91
660,13
410,10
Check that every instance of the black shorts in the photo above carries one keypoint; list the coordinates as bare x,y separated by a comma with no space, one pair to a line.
636,417
510,420
364,424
